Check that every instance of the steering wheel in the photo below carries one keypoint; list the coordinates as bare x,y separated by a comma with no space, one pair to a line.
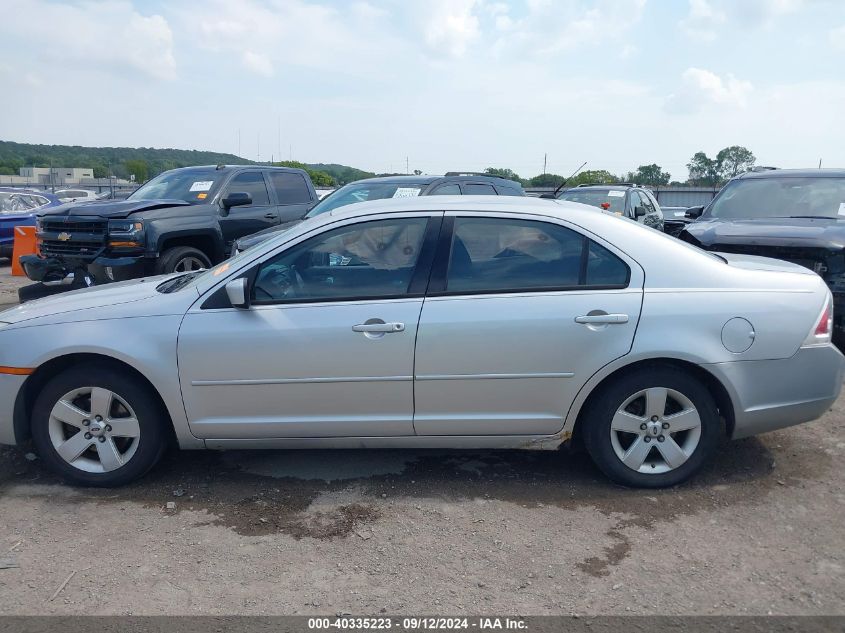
285,282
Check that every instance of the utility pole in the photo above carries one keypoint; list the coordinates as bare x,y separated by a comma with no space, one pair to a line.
258,148
279,121
407,171
545,158
239,142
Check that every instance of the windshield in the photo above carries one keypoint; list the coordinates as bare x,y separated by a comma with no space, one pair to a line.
613,198
363,191
194,185
782,197
12,202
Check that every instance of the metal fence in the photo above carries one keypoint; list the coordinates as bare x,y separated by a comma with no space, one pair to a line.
666,196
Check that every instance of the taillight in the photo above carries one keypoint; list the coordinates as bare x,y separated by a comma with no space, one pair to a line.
823,329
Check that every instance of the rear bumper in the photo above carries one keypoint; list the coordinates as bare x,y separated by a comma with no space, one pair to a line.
773,394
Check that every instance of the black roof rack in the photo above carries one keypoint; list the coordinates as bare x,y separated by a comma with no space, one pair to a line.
473,173
608,184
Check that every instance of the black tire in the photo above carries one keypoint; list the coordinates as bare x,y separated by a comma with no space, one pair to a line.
170,260
598,417
152,438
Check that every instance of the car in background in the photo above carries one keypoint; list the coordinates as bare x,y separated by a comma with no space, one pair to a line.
18,207
77,195
797,215
451,184
465,323
623,199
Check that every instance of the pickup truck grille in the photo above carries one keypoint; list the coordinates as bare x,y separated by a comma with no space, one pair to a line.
83,239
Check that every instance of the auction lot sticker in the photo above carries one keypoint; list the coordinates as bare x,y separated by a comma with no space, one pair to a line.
406,192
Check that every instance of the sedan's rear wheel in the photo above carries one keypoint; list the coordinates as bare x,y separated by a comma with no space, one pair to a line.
652,429
97,427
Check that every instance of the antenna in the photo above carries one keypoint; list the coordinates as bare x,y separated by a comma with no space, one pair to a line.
554,195
820,163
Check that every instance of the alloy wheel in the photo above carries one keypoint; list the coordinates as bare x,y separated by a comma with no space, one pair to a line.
94,429
656,430
188,264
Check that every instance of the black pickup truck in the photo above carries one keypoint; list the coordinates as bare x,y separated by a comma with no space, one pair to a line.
182,220
792,214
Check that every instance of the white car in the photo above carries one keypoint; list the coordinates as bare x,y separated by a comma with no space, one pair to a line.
77,195
460,322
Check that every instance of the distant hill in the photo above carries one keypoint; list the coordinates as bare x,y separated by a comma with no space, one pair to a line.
13,156
342,174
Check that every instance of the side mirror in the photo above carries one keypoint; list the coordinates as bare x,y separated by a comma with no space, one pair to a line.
235,199
238,293
639,211
694,212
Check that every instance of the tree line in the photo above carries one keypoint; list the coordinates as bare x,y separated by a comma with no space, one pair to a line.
144,163
703,171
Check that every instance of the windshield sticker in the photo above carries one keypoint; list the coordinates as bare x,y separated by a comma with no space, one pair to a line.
406,192
615,194
842,208
202,185
222,268
202,196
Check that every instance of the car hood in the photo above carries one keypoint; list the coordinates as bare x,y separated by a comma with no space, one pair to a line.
828,233
108,301
109,208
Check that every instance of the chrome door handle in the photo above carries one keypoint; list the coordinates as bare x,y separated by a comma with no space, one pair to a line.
383,328
602,319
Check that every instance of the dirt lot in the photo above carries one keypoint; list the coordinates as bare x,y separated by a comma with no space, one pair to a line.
364,532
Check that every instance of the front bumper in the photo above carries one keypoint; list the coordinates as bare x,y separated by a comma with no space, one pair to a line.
102,269
10,387
773,394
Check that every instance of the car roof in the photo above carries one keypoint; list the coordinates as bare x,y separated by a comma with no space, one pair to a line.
615,187
794,173
428,179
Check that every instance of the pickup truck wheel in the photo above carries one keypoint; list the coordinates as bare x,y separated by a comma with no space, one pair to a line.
652,429
97,427
181,259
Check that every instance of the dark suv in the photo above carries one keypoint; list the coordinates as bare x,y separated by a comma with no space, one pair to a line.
182,220
624,199
792,214
451,184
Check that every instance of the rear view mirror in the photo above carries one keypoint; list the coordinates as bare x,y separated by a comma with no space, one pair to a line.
694,212
238,293
639,211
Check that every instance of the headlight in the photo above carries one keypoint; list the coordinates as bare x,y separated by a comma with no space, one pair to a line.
124,227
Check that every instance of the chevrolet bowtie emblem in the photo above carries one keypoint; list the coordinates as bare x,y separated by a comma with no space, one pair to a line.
64,237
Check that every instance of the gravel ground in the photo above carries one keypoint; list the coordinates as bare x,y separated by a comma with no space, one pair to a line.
369,532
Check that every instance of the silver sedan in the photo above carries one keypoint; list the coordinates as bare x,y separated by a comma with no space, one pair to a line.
470,322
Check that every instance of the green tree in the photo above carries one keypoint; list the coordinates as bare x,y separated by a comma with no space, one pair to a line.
319,178
137,168
651,175
703,170
593,176
546,180
734,160
503,172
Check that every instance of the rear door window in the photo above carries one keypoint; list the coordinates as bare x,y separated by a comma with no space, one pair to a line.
451,189
477,189
290,188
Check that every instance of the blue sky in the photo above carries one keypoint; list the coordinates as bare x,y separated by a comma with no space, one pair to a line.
449,84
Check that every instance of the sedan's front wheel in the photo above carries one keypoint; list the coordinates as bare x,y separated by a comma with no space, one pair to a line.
652,429
97,427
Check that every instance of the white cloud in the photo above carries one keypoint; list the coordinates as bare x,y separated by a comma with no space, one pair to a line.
837,38
702,87
449,27
703,20
109,36
257,63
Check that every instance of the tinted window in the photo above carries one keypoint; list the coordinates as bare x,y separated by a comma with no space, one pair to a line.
372,259
508,191
447,190
363,191
490,255
612,200
479,190
780,197
289,188
251,182
604,268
